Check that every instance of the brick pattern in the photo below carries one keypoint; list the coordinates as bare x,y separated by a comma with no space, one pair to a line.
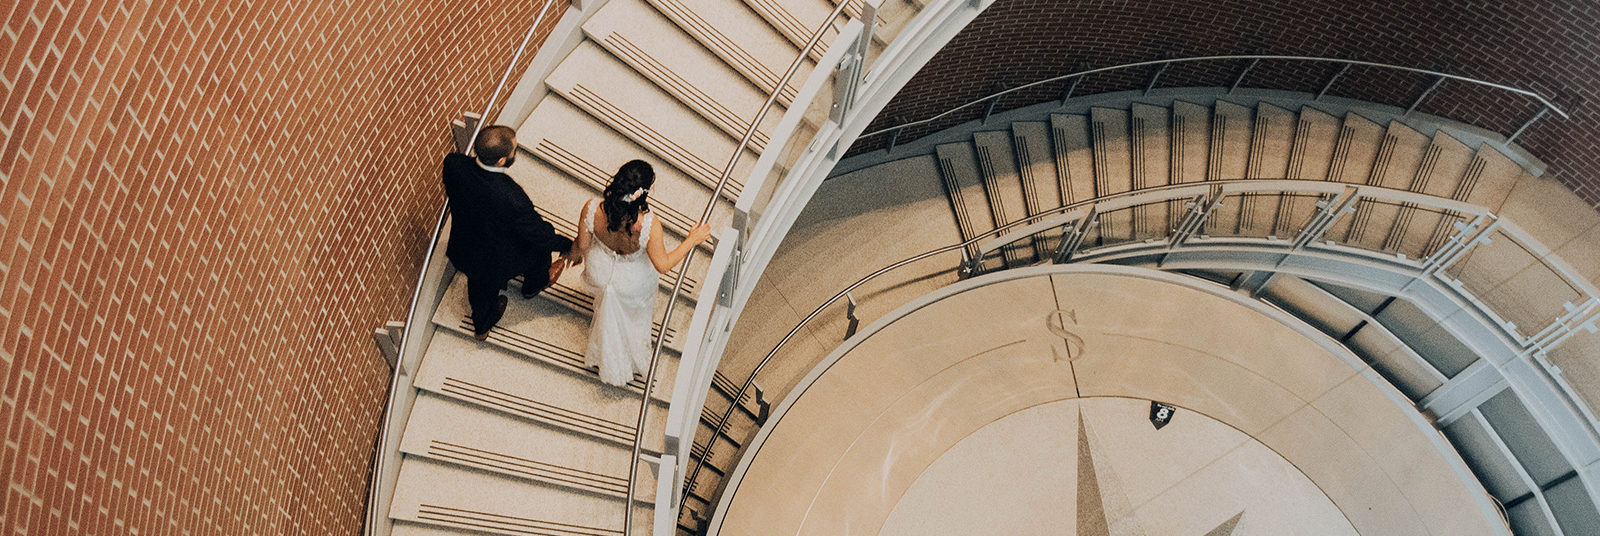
205,207
1552,48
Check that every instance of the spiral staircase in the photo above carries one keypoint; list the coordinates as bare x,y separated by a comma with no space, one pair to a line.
517,436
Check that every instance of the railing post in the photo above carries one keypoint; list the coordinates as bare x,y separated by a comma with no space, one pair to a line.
1331,81
1536,117
1072,236
1467,235
852,69
850,313
1071,88
1240,78
1328,211
1155,77
1581,317
1436,83
894,136
989,110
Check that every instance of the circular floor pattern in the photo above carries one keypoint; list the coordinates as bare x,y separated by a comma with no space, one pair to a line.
1098,466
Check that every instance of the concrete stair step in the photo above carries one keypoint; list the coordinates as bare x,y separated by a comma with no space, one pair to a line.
796,20
695,160
573,181
738,36
1069,139
568,138
1489,179
1316,134
1113,169
1315,138
1232,127
543,330
958,169
466,359
653,46
1036,168
1008,198
613,91
1396,164
1418,232
1271,142
1352,161
1191,142
449,496
1150,131
449,431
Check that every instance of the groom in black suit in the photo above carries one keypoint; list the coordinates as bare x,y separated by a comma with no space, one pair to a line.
495,234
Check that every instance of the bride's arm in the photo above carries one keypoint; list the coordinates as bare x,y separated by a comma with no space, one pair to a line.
657,248
580,243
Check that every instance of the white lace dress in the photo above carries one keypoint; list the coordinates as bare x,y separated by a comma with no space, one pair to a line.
625,297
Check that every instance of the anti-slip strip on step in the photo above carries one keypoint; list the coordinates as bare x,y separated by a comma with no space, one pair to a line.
787,25
750,403
541,350
475,520
681,88
722,46
641,132
572,164
528,408
528,469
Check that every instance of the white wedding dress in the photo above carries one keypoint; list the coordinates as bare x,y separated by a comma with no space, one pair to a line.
625,297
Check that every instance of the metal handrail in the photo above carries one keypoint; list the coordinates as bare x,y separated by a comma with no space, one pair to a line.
1316,187
1545,102
382,447
683,269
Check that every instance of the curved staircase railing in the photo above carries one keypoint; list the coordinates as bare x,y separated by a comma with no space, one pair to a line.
683,269
798,172
419,313
1546,106
1474,225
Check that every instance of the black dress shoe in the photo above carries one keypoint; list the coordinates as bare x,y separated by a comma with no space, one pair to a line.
500,312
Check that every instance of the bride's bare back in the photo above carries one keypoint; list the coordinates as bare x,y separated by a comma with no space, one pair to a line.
628,239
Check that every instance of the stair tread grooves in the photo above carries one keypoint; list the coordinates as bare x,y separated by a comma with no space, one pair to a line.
452,315
611,88
597,179
745,61
685,90
652,31
574,141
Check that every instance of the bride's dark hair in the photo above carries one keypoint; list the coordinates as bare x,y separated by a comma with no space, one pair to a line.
621,213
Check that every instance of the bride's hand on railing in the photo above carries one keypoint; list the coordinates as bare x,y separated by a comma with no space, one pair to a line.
699,233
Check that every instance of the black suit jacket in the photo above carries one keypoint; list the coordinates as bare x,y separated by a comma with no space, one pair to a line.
494,230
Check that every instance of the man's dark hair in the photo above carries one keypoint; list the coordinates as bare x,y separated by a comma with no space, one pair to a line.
495,142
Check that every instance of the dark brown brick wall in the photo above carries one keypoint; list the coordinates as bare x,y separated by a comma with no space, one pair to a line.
205,206
1550,47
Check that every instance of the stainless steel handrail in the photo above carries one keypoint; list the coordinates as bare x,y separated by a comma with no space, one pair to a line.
1314,187
683,269
1540,98
382,447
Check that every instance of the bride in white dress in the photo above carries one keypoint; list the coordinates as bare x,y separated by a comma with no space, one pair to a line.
622,241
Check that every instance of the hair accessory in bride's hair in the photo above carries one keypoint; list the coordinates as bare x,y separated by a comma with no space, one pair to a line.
635,195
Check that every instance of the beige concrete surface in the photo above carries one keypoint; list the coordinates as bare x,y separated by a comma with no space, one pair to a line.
852,444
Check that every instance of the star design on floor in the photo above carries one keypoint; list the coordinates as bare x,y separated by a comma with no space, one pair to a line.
1092,518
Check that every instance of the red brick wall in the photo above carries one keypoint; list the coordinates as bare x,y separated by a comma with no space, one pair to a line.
1549,47
205,207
